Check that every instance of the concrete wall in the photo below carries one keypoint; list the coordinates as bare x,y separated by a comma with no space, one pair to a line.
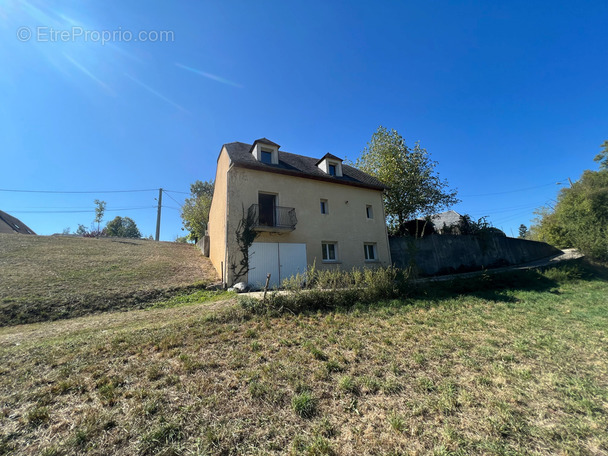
203,245
440,254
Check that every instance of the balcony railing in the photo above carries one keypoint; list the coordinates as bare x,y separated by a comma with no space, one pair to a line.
273,218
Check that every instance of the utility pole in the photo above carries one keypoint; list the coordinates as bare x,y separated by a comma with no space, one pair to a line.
569,180
160,205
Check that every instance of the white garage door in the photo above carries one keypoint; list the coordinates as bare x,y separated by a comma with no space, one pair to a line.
280,260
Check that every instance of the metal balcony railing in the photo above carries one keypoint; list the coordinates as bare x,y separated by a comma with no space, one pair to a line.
268,218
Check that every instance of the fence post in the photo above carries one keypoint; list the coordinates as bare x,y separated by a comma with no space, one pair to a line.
266,286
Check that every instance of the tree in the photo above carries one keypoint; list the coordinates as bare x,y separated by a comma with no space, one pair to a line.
100,209
195,211
580,217
602,157
523,231
123,227
414,187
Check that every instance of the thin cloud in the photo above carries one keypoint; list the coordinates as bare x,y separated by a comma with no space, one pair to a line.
213,77
88,73
154,92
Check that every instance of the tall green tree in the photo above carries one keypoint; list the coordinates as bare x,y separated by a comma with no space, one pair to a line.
123,227
523,231
100,209
580,217
195,211
414,186
602,157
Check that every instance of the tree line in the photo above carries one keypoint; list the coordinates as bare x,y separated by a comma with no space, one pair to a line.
580,217
123,227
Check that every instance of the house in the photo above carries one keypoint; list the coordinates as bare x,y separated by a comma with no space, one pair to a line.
302,211
442,223
10,224
447,219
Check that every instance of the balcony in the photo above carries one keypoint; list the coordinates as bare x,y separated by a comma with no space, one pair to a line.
273,219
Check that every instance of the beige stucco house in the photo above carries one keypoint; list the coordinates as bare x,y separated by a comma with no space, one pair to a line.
304,211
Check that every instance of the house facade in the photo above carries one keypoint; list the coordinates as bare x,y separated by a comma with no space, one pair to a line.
303,211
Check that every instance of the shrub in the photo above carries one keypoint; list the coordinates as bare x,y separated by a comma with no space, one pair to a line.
564,274
331,289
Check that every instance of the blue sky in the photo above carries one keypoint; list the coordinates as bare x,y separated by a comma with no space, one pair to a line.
508,97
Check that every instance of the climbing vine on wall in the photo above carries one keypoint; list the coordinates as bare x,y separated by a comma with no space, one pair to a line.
245,235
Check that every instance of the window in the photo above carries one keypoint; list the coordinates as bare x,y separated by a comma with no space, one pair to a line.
330,251
267,157
332,170
370,252
324,207
369,211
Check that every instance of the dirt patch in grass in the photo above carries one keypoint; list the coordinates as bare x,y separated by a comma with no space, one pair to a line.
523,373
52,277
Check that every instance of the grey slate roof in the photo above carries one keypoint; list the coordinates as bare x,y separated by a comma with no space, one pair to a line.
10,224
264,141
330,156
300,166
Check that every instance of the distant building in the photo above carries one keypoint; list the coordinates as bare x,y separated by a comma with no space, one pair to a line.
445,222
447,219
11,225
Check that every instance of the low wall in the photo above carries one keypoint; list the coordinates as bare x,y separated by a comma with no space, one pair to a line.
444,254
203,244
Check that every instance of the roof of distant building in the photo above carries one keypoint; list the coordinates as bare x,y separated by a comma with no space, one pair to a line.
447,218
10,224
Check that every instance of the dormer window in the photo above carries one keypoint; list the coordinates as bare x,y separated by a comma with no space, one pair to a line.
265,151
266,157
330,164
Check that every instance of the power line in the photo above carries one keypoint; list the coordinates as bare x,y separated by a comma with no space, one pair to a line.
504,219
509,191
175,191
80,192
82,211
172,197
508,209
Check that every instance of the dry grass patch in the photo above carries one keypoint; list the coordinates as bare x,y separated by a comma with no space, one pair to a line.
53,277
525,373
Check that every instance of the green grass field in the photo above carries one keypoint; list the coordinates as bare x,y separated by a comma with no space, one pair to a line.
52,277
516,364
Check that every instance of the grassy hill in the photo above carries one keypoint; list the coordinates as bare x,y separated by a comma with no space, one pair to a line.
516,364
51,277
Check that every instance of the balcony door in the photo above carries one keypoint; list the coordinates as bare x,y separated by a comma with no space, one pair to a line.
267,205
